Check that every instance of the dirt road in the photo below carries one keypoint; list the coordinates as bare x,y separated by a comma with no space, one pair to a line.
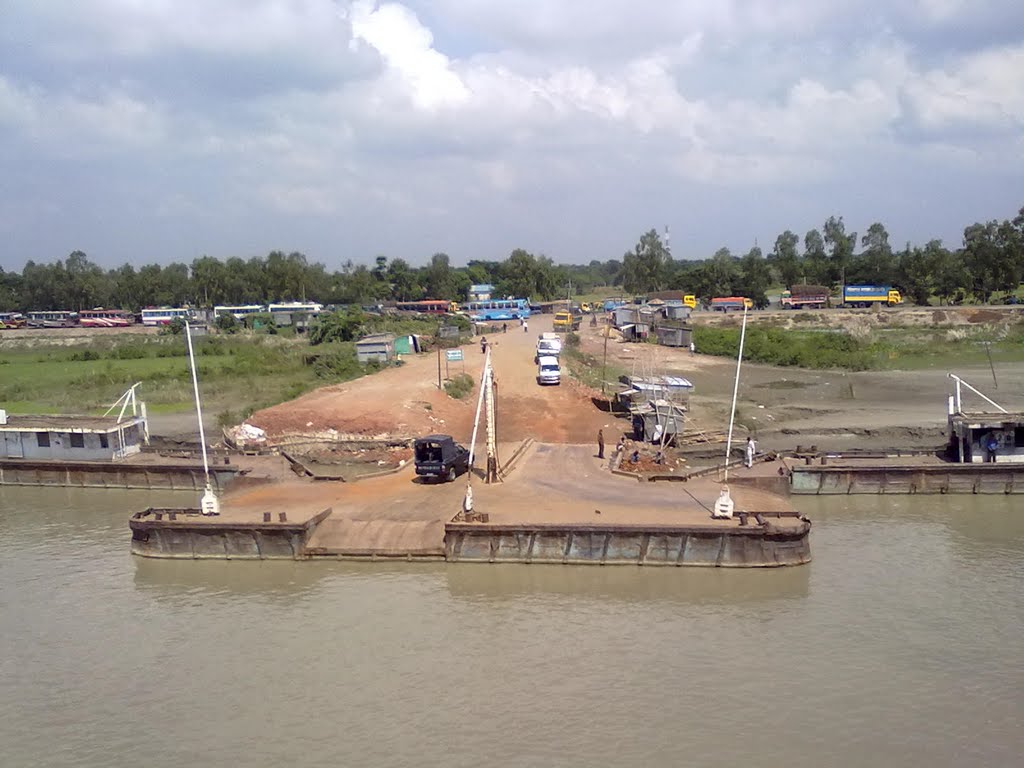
405,400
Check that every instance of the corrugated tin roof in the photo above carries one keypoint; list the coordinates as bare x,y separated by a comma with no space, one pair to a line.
71,423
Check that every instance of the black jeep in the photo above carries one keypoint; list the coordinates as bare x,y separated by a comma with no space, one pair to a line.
439,457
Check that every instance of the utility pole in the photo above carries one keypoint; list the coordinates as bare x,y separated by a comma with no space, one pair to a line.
604,362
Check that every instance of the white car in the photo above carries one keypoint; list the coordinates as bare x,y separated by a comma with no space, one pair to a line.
548,370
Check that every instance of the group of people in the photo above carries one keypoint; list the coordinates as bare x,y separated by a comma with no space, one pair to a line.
749,452
504,329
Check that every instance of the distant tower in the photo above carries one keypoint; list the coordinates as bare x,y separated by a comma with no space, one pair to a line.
668,246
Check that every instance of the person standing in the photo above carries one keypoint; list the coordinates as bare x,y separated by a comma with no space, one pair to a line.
526,326
483,345
693,348
600,443
991,447
751,450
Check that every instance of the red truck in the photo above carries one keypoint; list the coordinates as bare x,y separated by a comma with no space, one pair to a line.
805,297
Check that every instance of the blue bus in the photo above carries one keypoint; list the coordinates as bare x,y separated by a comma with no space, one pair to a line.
496,309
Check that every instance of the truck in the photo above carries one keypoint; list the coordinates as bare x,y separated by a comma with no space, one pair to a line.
440,458
805,297
566,321
726,303
870,296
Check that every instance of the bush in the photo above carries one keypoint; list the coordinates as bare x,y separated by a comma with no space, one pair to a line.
227,323
336,364
344,325
459,386
775,346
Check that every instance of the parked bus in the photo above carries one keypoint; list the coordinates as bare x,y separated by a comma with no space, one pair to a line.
12,320
104,318
240,312
427,306
57,318
164,315
289,307
497,309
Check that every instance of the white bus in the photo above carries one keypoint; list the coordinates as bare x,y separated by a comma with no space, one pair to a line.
164,315
240,311
309,307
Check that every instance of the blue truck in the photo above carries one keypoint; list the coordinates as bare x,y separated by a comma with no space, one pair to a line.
870,296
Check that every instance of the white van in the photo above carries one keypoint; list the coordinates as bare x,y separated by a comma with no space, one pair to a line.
548,344
548,370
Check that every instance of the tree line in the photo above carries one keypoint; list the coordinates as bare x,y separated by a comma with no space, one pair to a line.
990,261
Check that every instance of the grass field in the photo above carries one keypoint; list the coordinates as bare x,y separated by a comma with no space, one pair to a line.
237,374
880,349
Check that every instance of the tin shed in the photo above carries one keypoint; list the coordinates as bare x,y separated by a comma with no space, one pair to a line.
376,348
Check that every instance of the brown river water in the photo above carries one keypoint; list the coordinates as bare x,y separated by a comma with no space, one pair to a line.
901,644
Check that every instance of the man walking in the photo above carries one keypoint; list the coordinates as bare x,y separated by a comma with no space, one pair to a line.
600,443
751,449
526,326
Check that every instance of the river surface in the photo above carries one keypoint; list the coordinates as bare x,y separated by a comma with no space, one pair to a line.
901,644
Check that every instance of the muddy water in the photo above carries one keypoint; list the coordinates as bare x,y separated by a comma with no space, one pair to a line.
902,644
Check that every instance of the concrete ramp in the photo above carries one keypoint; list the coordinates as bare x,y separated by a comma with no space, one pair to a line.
370,539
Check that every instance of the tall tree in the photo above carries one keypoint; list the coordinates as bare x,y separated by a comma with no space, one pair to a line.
646,267
840,246
755,277
786,259
983,258
816,267
876,263
441,281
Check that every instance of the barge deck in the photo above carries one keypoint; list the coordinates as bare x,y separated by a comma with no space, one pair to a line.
561,506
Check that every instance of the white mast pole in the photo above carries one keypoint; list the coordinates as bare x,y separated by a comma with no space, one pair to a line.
209,501
735,392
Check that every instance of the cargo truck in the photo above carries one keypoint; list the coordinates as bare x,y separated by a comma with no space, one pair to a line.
565,322
727,303
870,296
805,297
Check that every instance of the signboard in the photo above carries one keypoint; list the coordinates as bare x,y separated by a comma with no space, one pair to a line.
453,355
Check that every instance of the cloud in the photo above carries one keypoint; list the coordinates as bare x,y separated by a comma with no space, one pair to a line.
314,117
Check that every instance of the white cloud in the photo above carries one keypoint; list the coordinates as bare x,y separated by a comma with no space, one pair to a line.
292,111
406,46
985,88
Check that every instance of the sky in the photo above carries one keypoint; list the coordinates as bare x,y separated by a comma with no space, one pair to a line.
142,131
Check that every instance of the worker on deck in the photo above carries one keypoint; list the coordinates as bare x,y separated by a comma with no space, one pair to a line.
749,453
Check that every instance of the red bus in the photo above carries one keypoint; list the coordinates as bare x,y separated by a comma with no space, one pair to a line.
104,318
427,306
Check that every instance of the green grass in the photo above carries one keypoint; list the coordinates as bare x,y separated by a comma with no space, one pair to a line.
240,373
459,386
882,349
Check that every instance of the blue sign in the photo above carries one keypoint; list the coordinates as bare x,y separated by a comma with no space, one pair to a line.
453,355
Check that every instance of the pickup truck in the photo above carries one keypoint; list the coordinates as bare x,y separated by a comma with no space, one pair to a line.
439,457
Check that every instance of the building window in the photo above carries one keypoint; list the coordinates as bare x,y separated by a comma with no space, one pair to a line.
77,440
43,439
104,442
